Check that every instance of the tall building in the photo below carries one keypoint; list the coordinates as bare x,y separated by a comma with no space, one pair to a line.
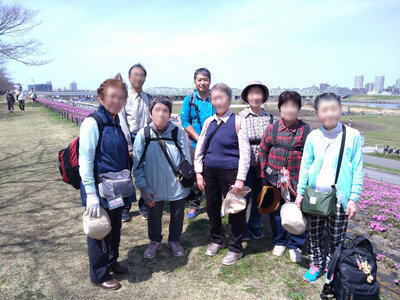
358,82
73,86
379,83
397,85
369,87
41,87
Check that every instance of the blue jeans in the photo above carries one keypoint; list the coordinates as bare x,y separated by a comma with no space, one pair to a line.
255,183
280,236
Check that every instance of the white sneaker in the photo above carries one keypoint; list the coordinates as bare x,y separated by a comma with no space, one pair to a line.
295,255
278,250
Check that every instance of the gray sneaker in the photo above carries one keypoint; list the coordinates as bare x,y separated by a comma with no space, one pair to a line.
231,258
152,249
176,249
213,249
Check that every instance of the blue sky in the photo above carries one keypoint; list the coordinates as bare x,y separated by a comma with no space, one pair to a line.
282,43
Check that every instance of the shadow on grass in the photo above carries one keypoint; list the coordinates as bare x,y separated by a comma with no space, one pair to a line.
142,269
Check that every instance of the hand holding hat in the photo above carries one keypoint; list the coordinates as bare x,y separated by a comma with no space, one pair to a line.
92,205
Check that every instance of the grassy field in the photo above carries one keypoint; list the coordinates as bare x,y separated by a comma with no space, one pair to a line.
43,252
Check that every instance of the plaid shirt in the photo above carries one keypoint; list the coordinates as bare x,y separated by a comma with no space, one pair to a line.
256,125
276,156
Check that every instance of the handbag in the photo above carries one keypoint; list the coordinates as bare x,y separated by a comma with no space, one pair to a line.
323,204
184,172
116,184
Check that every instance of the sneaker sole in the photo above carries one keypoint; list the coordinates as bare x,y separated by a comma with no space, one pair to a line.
308,280
257,237
234,262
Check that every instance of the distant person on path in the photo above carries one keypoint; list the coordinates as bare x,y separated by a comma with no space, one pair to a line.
318,170
196,108
10,101
134,116
156,179
281,150
100,154
257,121
21,99
222,160
32,95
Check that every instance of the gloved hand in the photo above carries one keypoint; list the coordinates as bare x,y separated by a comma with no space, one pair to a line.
92,205
148,196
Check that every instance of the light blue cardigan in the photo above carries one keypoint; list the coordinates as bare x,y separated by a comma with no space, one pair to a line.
155,172
350,180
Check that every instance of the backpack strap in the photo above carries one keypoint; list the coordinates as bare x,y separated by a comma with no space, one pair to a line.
340,153
306,131
146,145
271,119
275,133
196,108
334,260
174,135
99,121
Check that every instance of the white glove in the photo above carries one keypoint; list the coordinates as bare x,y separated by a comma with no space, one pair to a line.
92,205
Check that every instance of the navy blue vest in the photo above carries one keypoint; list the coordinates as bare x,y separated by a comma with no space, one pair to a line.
111,152
223,152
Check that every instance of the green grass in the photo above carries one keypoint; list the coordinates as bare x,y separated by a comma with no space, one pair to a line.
388,156
380,167
373,97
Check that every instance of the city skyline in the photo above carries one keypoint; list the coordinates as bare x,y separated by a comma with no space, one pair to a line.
291,44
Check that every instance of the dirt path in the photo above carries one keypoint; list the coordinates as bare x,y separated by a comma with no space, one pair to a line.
43,252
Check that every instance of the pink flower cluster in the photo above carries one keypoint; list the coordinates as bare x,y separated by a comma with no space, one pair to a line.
73,113
377,226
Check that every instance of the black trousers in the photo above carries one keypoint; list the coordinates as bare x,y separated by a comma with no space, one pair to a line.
194,197
10,105
218,182
102,255
21,104
177,209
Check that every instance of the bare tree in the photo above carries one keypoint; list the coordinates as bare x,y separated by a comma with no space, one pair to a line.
5,81
16,22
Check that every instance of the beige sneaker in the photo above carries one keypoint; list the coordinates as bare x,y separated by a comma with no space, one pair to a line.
231,258
278,250
295,255
213,249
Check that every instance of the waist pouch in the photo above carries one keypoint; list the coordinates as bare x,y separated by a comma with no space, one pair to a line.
271,175
116,184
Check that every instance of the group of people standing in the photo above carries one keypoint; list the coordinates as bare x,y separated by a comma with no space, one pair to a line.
228,151
20,97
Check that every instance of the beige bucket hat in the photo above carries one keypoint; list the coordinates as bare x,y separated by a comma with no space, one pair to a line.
292,218
234,203
97,228
255,83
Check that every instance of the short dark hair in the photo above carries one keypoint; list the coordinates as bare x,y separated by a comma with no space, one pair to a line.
163,100
138,65
289,96
326,96
202,71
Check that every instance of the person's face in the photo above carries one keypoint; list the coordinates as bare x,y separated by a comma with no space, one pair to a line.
20,88
329,112
137,78
160,115
255,97
289,111
114,99
220,101
202,83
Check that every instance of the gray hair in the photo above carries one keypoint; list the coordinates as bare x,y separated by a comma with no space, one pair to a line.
224,88
163,100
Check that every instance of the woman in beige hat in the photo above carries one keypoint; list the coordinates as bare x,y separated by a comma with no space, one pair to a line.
257,120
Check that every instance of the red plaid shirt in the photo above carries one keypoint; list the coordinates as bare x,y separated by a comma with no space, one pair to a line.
276,156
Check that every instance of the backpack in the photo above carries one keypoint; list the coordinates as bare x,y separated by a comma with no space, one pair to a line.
68,158
349,276
148,139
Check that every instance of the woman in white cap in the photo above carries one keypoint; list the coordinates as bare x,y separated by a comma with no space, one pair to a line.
222,160
257,120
